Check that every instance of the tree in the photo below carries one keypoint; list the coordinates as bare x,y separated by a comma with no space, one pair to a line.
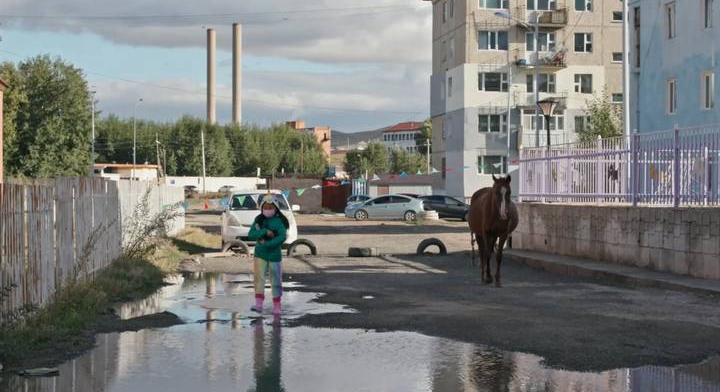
49,120
373,160
407,162
603,120
424,136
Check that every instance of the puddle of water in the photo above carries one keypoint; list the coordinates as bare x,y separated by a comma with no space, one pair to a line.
225,347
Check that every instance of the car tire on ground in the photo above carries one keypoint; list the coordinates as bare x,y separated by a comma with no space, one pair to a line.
302,242
410,216
426,243
361,215
237,247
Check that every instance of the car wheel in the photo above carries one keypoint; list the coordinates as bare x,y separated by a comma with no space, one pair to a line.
361,215
410,216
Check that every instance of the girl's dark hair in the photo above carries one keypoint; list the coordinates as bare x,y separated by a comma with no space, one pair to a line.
260,219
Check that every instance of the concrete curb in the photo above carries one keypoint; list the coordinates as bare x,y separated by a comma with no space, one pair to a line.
632,276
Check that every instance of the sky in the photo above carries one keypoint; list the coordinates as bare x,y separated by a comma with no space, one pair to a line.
352,65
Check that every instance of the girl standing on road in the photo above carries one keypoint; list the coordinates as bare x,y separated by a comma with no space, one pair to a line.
269,231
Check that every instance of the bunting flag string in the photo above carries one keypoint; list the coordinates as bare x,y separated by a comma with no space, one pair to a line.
375,178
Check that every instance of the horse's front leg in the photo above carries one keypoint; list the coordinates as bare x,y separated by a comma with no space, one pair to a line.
489,244
498,259
472,246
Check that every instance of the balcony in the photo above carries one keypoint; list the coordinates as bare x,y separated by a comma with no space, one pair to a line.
557,18
524,100
548,61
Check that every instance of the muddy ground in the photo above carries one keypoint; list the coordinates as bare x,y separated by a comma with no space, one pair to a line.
578,324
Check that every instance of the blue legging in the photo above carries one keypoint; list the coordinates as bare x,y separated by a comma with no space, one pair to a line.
260,274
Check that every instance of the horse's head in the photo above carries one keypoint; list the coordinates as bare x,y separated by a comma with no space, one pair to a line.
501,192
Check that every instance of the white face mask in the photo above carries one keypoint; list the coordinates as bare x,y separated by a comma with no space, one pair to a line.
268,213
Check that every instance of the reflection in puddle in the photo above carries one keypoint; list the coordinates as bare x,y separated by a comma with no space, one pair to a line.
225,347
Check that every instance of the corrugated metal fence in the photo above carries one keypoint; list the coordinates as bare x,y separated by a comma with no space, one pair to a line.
54,230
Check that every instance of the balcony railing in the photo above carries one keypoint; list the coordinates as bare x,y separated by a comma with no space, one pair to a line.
551,18
551,60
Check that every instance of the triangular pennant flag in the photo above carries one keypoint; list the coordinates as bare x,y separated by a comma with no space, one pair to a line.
497,165
344,182
419,172
434,170
316,187
286,193
375,178
300,191
403,174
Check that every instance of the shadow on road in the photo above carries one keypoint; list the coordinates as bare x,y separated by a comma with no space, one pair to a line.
191,248
381,229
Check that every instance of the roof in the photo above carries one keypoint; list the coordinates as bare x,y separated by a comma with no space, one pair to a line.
3,85
124,166
405,127
434,180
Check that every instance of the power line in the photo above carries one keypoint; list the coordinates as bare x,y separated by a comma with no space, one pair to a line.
376,9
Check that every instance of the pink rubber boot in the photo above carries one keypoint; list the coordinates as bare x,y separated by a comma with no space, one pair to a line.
277,308
258,307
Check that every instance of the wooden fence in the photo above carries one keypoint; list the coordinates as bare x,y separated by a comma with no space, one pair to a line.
51,231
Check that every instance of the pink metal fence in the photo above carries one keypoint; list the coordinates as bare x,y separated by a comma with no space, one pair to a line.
675,167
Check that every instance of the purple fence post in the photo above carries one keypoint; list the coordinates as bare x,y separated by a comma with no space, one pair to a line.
634,140
676,168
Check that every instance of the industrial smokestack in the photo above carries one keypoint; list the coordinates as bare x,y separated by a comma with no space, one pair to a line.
237,74
211,118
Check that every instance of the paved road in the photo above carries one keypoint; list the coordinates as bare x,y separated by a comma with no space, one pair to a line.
575,323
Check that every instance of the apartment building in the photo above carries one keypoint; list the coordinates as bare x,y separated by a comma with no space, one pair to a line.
403,136
483,78
674,63
322,134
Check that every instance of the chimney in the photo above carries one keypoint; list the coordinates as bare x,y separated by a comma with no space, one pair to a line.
211,118
237,74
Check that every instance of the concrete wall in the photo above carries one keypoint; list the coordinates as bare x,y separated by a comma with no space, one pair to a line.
680,240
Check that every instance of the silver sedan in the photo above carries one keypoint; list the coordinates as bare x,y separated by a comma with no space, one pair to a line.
386,207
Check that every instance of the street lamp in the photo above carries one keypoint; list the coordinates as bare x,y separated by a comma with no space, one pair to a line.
135,137
92,119
504,14
547,106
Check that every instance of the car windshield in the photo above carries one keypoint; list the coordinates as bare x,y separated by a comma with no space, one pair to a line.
249,202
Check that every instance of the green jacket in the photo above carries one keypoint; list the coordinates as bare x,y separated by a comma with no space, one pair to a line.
269,249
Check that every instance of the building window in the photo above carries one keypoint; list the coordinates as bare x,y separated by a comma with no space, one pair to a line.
583,83
581,123
491,164
672,96
546,83
452,8
708,11
557,121
541,5
492,81
449,86
444,11
451,50
491,122
494,4
583,42
708,90
492,40
617,16
617,57
670,20
583,5
546,42
617,98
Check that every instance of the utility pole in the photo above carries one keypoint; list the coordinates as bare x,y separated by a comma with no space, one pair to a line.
132,177
626,67
157,152
202,144
302,156
92,117
427,154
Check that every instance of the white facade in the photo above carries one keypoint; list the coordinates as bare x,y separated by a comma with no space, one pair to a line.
405,140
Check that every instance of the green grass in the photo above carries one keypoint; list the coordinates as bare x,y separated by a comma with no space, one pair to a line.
70,318
170,252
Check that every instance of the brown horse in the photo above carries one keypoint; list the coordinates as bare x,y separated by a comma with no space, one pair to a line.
492,216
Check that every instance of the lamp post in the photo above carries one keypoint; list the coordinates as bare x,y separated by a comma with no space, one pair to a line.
92,119
135,138
548,107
